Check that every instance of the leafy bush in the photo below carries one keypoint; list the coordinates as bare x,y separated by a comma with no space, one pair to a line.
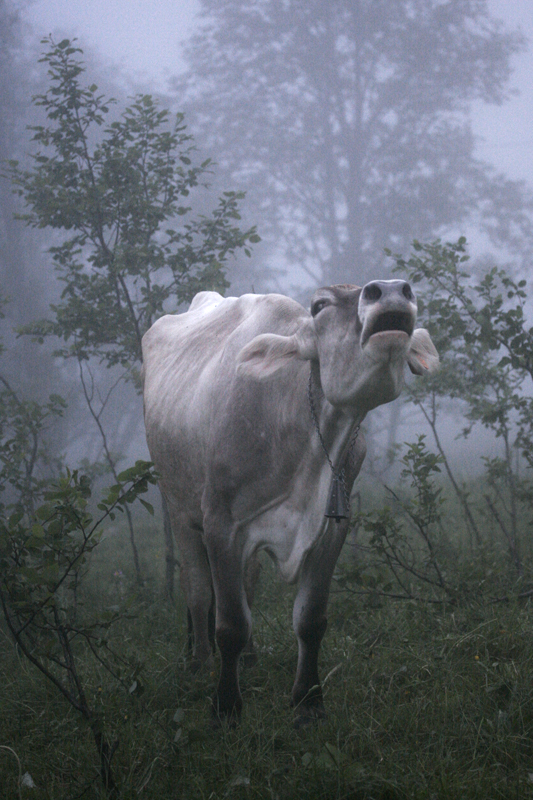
416,546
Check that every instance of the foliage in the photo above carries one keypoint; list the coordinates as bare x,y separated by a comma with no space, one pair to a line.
23,449
41,562
47,535
117,189
478,321
482,321
404,540
22,425
14,267
349,124
479,324
422,702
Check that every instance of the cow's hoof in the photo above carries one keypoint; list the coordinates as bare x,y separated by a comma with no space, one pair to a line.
220,722
222,717
312,715
195,666
199,665
249,660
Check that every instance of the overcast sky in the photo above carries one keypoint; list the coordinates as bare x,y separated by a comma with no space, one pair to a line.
143,37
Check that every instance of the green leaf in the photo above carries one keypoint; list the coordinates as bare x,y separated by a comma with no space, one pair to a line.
148,506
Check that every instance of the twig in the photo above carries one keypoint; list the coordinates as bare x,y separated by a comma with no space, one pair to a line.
460,494
10,750
111,463
510,538
450,600
507,599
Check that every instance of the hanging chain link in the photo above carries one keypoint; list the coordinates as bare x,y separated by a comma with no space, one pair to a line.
340,476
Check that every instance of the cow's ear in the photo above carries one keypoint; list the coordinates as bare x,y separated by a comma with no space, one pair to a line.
269,352
422,356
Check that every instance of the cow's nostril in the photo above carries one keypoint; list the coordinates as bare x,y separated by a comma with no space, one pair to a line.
371,292
407,292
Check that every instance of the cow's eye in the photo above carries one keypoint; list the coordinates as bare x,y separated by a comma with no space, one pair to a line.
318,306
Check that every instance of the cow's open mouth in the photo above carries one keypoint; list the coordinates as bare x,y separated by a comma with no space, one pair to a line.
390,321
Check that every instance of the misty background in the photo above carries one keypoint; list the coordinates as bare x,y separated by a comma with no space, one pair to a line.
336,141
351,127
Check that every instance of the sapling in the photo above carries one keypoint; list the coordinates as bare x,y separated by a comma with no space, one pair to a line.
479,322
120,191
41,559
400,559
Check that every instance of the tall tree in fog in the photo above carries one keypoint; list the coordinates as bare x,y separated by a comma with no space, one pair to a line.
112,189
22,283
348,121
11,111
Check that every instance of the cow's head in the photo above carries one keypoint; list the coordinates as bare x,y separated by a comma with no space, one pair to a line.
361,338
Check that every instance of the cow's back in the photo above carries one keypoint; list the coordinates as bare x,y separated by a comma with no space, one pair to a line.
189,363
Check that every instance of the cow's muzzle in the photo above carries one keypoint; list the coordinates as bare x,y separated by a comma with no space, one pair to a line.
386,306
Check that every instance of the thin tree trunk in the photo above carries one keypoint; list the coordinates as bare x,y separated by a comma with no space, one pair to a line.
135,552
460,494
110,461
512,488
511,540
106,753
170,559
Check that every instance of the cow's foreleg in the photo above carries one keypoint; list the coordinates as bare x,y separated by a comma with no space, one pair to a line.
233,625
310,622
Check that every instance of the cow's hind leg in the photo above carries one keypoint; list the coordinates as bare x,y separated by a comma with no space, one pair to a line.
310,623
195,580
233,624
251,578
210,628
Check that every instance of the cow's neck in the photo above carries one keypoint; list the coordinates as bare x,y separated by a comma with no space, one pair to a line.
336,425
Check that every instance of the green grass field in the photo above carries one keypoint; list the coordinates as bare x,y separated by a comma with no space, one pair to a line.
431,703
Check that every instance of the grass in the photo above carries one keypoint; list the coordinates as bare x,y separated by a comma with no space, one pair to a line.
423,703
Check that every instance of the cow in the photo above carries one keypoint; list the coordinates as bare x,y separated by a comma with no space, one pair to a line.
252,405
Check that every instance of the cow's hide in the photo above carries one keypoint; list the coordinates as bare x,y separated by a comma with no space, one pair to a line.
228,390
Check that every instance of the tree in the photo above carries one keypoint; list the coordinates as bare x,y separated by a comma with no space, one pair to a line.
119,268
32,375
117,189
348,122
479,324
46,537
10,111
24,446
41,557
478,320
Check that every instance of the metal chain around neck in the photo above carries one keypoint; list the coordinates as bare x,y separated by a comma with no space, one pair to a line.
315,420
336,475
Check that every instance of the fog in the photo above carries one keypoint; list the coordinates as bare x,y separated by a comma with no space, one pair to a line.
136,45
144,41
378,151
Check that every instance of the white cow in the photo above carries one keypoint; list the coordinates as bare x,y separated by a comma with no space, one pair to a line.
251,405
